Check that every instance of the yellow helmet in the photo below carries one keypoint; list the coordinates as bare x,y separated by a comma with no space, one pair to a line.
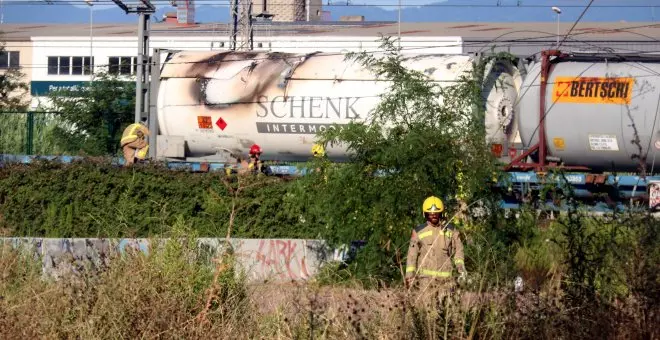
318,150
433,205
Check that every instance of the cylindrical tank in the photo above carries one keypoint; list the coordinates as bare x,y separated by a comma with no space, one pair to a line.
231,100
592,111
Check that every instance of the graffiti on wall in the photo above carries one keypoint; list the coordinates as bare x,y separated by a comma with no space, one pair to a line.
274,260
280,258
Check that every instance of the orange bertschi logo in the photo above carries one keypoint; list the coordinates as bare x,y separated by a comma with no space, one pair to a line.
591,90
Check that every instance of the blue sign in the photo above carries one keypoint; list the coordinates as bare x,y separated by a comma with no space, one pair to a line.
43,88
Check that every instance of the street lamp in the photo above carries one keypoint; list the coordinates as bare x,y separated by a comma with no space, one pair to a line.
558,11
91,33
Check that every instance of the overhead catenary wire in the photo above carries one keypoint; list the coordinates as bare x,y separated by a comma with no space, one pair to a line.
520,97
325,79
608,50
544,114
549,109
483,44
329,4
375,51
294,99
547,112
497,38
532,38
197,46
576,22
107,65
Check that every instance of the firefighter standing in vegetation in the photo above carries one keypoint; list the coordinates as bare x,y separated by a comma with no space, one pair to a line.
435,248
256,165
318,150
134,142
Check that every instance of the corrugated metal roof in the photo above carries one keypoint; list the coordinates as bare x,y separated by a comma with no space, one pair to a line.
468,31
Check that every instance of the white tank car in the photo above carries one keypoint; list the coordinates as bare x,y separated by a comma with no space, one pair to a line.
226,101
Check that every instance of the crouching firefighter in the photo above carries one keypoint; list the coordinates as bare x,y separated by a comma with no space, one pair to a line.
435,249
256,165
134,142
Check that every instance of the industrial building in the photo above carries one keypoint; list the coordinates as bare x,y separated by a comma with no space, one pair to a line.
55,56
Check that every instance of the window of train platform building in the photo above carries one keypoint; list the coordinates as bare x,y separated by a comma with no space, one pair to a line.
70,65
9,59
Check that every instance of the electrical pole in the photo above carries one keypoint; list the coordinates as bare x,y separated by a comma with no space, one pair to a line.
144,11
241,21
142,84
154,85
91,35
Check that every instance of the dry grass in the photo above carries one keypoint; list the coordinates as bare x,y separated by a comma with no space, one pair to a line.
170,295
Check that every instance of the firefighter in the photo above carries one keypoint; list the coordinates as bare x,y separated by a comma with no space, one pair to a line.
256,165
134,142
435,248
318,150
240,167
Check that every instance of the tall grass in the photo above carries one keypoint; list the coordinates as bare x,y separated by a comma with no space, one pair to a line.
176,293
14,133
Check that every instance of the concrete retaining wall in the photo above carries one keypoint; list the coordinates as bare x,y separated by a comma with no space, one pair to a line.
275,260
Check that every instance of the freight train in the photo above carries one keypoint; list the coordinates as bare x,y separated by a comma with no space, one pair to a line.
593,115
596,116
221,103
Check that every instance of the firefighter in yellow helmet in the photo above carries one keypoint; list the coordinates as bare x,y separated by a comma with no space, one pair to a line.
435,249
318,150
134,142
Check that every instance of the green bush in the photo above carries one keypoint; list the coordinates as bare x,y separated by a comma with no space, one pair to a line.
419,143
97,199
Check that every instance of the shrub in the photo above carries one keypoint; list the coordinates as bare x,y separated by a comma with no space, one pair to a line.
98,199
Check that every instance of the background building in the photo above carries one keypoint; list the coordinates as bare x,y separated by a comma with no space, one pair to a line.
54,56
17,54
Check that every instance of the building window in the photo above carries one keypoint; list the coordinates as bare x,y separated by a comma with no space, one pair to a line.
70,65
122,65
9,59
125,66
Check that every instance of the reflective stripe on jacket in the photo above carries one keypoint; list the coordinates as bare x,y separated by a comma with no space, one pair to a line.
433,250
131,133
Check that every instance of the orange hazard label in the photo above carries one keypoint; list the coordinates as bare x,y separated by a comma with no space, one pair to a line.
204,122
589,90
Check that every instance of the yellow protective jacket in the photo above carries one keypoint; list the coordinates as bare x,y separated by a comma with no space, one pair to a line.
433,250
131,133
